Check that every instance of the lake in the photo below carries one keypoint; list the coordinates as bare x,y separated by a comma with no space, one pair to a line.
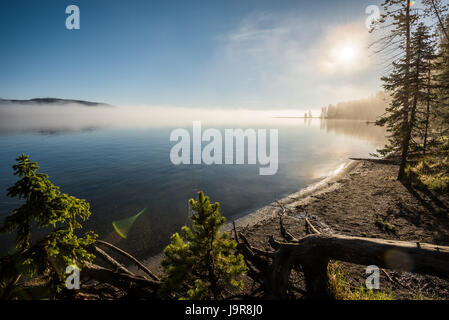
122,170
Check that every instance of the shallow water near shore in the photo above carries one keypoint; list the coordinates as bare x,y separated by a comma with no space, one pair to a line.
121,171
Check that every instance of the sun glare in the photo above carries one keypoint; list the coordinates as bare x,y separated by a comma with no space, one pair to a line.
346,54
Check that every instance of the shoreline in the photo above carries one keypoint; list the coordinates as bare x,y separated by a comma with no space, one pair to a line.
302,196
361,199
367,201
329,183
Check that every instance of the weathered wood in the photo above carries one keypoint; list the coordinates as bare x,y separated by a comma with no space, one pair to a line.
122,281
314,251
285,234
130,257
255,250
311,227
9,287
111,261
315,274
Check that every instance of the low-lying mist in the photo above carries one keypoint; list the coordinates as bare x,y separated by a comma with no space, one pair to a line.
73,117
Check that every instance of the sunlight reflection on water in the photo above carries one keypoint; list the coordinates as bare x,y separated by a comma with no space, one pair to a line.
121,170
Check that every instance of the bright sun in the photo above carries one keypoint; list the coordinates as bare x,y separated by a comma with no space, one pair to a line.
346,54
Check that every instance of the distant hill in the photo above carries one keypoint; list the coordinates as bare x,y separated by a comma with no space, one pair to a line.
52,101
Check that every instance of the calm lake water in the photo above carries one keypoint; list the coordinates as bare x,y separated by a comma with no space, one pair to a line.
120,171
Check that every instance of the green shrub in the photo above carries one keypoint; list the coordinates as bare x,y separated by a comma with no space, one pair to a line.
202,262
341,289
431,171
45,207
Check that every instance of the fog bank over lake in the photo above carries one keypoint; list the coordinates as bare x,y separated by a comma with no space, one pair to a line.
73,117
117,158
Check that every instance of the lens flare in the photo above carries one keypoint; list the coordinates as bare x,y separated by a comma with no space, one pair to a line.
396,259
123,226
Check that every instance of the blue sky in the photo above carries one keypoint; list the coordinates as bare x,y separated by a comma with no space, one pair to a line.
254,54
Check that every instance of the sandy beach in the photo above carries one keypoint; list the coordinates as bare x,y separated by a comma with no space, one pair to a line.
361,199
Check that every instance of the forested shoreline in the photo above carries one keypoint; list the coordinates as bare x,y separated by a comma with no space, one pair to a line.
368,109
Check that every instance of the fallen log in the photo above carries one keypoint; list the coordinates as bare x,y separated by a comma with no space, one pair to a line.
142,287
109,260
130,257
313,253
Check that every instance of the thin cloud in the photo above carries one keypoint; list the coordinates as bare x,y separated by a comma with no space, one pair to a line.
289,62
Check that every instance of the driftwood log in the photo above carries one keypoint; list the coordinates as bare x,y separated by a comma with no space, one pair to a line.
136,286
118,276
139,264
313,253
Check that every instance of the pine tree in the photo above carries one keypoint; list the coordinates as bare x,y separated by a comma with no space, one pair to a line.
423,55
45,207
201,262
399,119
432,168
430,99
404,129
442,79
437,9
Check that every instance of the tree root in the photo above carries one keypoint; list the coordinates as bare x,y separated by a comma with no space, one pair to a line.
313,253
130,257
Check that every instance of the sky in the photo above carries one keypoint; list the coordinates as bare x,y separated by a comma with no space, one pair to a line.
251,54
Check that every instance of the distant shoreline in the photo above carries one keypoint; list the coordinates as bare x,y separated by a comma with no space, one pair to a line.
52,101
299,118
345,119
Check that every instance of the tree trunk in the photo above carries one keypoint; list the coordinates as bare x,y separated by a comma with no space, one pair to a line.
313,253
439,20
426,130
406,142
